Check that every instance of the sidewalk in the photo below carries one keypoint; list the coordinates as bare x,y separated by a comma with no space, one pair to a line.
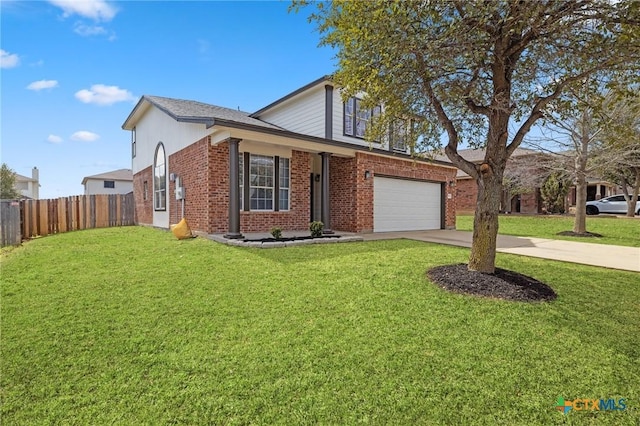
607,256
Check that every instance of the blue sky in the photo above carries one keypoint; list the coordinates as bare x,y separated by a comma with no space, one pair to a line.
73,70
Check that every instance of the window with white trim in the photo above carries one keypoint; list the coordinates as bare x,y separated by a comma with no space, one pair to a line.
109,184
269,187
261,182
284,178
160,179
356,118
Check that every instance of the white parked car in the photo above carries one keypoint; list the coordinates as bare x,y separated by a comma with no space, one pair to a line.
615,204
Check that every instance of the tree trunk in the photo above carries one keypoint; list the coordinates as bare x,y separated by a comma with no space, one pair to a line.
580,221
580,164
633,197
485,224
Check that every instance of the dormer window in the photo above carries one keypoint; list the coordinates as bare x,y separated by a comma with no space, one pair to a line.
356,119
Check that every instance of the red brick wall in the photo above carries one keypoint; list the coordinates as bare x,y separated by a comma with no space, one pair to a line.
466,195
297,218
191,165
218,188
529,202
343,193
204,170
143,208
352,194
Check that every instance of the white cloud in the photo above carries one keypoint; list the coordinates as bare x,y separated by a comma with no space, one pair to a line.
100,94
88,30
84,136
98,10
54,139
42,84
8,60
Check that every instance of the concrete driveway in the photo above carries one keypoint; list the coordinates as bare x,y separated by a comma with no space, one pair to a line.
607,256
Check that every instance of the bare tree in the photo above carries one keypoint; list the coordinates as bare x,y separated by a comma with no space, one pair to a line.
620,146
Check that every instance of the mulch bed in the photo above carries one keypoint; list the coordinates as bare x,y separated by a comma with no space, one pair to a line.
503,284
576,234
275,240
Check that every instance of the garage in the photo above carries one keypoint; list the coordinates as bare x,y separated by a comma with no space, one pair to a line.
406,205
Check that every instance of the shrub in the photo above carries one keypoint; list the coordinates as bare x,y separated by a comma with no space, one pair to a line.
553,192
276,232
316,229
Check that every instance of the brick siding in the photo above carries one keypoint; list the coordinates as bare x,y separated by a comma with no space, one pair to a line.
143,208
352,194
466,195
191,166
204,171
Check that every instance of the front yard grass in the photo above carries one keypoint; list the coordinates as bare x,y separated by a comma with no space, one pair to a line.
130,326
614,230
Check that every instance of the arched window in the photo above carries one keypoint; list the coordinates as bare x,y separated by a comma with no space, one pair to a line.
159,179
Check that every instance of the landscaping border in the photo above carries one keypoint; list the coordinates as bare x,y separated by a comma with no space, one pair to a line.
276,244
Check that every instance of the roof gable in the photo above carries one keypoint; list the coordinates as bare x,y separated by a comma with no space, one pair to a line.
188,111
121,174
323,79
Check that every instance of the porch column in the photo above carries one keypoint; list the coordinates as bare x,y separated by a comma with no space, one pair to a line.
234,191
326,210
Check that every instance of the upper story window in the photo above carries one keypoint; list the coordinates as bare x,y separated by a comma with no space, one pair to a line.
160,179
133,142
356,119
398,135
109,184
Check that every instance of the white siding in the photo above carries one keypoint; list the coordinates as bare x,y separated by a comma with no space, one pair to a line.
96,186
338,124
303,114
155,127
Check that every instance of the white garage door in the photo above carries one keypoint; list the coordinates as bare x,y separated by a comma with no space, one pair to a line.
405,205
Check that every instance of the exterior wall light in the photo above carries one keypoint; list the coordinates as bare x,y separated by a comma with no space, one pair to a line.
367,174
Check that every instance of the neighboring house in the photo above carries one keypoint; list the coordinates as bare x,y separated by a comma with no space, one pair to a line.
525,165
301,158
115,182
528,201
596,189
29,187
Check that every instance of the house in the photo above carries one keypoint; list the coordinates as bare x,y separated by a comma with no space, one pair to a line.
29,187
301,158
115,182
525,175
524,166
596,189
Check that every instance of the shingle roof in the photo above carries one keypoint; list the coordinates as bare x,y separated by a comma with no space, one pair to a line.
477,155
193,111
121,174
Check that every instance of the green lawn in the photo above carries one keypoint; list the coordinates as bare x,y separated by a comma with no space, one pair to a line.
614,230
130,326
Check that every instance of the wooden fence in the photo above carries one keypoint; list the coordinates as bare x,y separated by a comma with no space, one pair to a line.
10,223
45,217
